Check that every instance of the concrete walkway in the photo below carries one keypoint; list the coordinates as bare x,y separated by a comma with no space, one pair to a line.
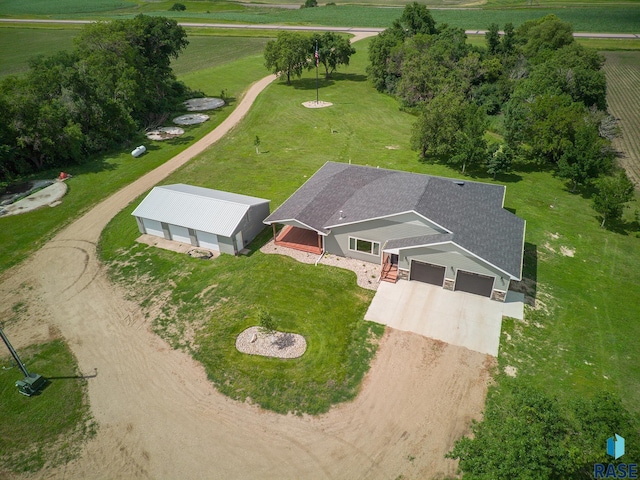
457,318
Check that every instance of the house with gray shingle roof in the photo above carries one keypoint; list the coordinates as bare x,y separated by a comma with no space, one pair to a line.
447,232
221,221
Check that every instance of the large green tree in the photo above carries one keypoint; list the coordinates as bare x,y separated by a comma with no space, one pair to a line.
415,20
288,54
612,194
588,156
527,435
333,50
450,129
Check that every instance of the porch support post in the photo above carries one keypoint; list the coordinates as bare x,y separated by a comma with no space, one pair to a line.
319,241
273,225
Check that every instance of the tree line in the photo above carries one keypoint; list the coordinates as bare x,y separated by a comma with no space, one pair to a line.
546,93
116,81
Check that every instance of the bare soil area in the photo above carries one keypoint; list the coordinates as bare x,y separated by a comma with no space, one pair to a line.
159,417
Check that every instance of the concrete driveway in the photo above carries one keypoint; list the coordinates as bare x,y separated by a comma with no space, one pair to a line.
457,318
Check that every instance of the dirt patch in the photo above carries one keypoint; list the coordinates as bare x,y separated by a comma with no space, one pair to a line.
567,252
164,133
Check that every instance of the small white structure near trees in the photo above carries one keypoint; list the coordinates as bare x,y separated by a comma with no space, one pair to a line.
205,218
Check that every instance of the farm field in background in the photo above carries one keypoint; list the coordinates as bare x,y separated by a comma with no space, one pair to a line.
623,82
585,17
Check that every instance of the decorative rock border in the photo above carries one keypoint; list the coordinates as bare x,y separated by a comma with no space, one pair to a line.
201,104
191,119
319,104
279,344
165,133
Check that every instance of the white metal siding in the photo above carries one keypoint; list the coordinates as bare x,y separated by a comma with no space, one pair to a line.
207,240
152,227
179,234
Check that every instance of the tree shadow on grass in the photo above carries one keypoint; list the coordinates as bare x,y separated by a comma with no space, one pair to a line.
529,283
622,226
310,83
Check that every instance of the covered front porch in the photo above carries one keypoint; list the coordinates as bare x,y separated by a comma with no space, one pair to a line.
298,238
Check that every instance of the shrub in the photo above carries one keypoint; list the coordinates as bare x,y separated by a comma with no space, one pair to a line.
178,7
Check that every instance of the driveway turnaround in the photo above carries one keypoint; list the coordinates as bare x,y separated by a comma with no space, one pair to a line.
457,318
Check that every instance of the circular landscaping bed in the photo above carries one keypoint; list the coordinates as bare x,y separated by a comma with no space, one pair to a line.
254,341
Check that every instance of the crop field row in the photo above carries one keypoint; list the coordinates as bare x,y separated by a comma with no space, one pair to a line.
596,19
623,81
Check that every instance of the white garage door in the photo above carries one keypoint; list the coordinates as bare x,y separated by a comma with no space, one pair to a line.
153,227
179,234
207,240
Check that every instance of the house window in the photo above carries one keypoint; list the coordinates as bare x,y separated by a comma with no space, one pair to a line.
364,246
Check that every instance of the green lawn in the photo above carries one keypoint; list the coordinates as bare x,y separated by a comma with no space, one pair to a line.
20,235
578,340
47,428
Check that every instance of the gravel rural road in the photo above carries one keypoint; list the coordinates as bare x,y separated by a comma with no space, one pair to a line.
160,418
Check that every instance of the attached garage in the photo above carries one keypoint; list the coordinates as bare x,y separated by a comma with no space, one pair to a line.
474,283
202,217
427,273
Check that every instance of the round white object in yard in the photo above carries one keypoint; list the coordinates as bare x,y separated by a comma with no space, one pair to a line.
138,151
206,103
319,104
164,133
191,119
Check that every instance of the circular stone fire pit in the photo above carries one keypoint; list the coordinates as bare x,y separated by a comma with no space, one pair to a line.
164,133
206,103
191,119
277,344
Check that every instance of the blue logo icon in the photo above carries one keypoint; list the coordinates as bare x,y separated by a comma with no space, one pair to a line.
615,446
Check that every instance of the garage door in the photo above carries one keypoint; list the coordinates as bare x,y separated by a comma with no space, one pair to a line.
153,227
207,240
427,273
474,283
179,234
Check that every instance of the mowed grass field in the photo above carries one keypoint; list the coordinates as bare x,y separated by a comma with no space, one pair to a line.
623,77
578,335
